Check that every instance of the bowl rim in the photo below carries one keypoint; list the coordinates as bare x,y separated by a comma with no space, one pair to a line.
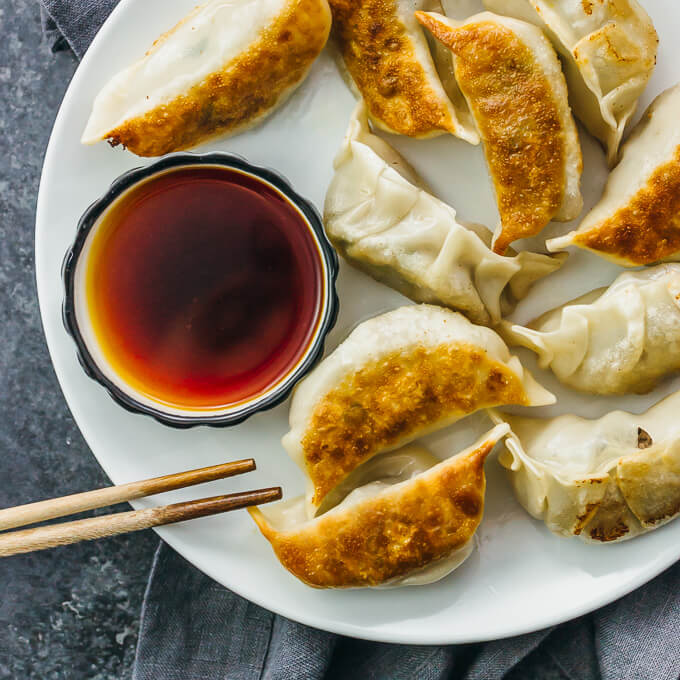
175,161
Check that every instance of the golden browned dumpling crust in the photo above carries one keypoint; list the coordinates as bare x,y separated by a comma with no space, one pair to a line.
402,393
402,529
385,68
518,120
237,96
647,228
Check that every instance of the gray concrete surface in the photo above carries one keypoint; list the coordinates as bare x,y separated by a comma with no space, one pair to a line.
72,612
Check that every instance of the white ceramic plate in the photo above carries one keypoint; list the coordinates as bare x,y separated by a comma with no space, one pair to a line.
521,577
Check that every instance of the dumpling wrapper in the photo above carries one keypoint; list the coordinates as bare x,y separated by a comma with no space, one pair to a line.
614,340
608,49
411,532
388,61
513,83
396,377
221,69
380,219
601,480
637,220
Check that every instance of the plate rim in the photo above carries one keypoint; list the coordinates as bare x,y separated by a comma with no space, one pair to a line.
370,633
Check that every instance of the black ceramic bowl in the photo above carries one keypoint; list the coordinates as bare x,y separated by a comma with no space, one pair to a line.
92,358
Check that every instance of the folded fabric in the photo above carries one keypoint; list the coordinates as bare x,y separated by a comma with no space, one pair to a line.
194,629
74,22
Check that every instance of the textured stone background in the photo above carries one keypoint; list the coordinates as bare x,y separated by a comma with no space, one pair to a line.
71,612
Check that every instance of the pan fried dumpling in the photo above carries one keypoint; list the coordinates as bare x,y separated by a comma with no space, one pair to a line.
222,69
609,52
637,220
602,480
405,237
614,340
402,529
398,376
513,82
387,59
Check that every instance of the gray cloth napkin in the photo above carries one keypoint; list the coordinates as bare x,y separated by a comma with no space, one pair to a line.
74,23
194,629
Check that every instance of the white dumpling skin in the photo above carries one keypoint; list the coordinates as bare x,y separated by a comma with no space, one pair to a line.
609,52
396,377
618,340
513,82
637,220
220,70
381,220
603,480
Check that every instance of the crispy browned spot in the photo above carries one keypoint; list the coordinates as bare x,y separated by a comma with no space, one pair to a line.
397,397
246,89
583,519
380,58
587,6
609,517
644,439
647,229
518,120
605,533
671,508
390,535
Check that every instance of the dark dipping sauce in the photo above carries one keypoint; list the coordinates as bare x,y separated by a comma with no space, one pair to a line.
204,287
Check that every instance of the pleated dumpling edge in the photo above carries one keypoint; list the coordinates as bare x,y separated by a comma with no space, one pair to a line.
609,49
602,480
380,218
618,340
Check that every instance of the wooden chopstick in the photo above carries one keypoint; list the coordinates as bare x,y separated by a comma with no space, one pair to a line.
28,540
100,498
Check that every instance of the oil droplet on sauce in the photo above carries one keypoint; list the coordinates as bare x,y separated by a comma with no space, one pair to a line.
204,287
